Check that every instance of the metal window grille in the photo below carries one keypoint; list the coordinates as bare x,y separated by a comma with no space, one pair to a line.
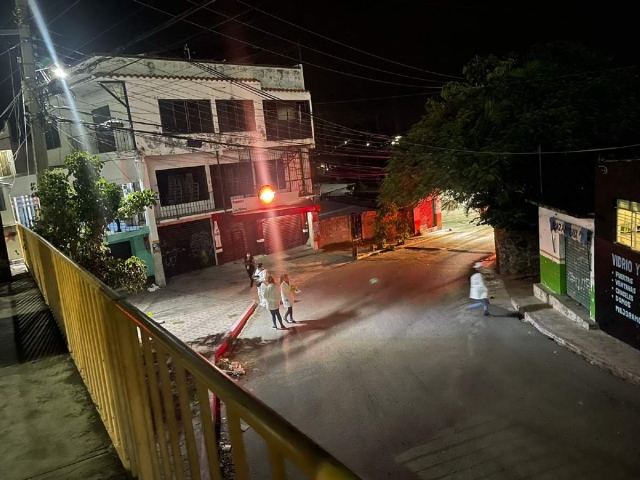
186,116
236,115
628,224
287,119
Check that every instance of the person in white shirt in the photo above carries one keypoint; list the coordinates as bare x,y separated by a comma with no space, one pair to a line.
286,294
261,276
272,297
478,290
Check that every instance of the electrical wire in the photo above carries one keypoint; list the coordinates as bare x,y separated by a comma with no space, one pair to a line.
320,51
280,54
349,46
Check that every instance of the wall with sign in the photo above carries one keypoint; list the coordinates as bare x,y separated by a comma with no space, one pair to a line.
554,228
617,266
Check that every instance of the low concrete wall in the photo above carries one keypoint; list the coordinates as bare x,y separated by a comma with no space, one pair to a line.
517,253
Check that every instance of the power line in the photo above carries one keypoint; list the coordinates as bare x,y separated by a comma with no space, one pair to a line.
375,98
320,51
282,55
348,46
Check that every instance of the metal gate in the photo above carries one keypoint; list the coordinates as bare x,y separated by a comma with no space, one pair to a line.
282,233
186,247
578,271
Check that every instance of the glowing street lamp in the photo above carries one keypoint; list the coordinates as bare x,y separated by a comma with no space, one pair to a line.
58,72
267,195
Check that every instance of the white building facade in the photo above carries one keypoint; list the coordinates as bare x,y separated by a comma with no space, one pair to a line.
206,137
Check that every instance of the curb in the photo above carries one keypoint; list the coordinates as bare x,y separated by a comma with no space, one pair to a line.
235,330
232,334
616,371
404,245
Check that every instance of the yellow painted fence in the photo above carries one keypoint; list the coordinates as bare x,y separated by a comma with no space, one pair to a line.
153,392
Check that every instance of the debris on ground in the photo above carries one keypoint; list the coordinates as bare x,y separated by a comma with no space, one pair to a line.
153,288
233,369
225,447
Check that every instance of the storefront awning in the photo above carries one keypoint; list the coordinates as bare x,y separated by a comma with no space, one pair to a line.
274,212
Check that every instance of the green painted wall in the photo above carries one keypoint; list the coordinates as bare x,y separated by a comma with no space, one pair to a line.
138,248
553,275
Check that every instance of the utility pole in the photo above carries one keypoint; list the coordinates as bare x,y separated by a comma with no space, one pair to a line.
30,89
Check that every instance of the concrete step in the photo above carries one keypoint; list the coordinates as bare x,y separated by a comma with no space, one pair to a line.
528,304
565,305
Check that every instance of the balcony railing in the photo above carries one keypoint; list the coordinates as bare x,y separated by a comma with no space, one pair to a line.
104,142
154,393
164,211
127,225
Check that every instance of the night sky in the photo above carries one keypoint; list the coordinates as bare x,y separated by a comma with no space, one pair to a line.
438,36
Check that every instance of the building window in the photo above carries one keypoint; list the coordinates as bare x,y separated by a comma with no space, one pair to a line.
182,185
236,115
6,163
287,119
628,224
186,116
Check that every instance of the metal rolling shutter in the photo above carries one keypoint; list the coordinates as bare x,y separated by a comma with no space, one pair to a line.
283,233
578,271
237,239
186,247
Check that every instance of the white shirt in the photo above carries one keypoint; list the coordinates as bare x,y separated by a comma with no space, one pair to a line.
262,275
272,297
285,294
478,289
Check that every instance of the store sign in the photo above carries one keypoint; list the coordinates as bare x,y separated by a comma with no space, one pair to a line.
567,229
248,204
625,278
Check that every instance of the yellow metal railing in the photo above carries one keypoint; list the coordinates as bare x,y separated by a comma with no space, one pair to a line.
153,392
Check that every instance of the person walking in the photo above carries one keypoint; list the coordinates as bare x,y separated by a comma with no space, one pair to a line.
261,276
272,297
286,293
250,267
478,290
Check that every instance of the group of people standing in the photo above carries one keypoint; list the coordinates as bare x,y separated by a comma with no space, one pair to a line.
269,295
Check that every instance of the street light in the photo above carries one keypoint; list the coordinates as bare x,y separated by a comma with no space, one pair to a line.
267,195
58,72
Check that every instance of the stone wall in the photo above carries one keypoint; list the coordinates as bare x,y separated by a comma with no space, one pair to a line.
517,253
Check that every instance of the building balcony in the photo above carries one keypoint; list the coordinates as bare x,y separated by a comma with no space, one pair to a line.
105,141
164,211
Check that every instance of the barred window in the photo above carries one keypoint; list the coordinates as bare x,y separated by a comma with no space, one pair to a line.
628,224
186,116
236,115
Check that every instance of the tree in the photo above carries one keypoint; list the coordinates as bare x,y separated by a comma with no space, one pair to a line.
559,97
76,205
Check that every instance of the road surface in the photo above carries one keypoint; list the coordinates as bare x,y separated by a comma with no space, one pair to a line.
394,377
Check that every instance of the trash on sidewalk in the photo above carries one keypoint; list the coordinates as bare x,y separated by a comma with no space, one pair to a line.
153,288
233,369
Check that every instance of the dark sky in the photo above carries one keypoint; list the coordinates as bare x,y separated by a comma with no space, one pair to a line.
438,36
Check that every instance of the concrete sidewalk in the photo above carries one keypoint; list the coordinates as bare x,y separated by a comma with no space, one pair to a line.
50,427
579,336
199,307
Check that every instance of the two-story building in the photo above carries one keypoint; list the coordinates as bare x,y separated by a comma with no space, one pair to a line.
205,136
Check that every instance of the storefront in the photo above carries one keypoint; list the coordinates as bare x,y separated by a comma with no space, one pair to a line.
566,255
252,227
617,249
186,246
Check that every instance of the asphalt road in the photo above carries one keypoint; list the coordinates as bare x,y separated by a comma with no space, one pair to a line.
394,377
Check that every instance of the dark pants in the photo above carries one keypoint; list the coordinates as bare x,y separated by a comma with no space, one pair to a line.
289,313
250,273
276,313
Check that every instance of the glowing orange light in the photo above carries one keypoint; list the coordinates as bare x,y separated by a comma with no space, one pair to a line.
267,195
